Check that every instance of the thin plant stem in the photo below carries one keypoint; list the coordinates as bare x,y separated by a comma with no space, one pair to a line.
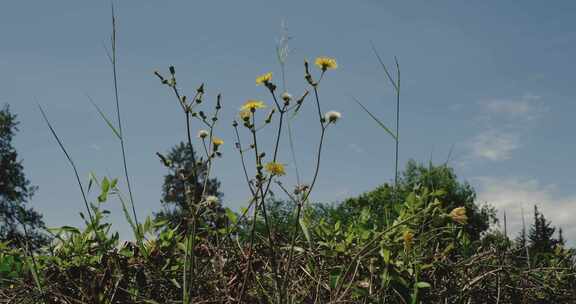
241,152
263,193
396,154
396,86
120,130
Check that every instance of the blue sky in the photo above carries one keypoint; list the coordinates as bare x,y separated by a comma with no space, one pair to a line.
493,79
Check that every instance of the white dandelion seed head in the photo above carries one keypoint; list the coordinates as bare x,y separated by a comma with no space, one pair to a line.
203,134
211,200
332,116
286,97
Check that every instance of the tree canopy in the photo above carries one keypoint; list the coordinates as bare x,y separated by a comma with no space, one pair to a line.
18,221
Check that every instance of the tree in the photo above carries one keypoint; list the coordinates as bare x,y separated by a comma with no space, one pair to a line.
18,222
561,240
541,234
176,209
415,178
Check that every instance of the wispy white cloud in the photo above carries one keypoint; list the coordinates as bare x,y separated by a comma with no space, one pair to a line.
504,124
526,108
494,145
515,195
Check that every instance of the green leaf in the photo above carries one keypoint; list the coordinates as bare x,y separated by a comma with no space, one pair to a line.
91,179
423,285
334,278
104,189
108,122
232,217
305,229
175,283
385,253
114,183
376,119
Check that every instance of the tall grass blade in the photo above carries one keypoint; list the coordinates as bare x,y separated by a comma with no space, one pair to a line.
380,123
70,161
103,116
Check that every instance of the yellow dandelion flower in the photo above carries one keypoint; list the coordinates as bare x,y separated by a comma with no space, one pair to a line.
326,63
252,105
275,168
458,215
217,141
262,79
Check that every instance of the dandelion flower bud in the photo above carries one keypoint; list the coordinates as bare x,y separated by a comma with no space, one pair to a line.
286,97
218,104
172,70
203,134
458,215
159,76
332,116
271,86
269,117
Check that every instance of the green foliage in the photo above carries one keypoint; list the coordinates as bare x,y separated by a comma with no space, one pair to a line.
11,264
541,235
16,192
440,179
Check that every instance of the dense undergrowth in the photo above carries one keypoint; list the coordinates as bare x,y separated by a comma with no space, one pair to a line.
421,239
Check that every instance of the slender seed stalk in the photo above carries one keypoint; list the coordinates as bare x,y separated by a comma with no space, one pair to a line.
113,60
397,88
